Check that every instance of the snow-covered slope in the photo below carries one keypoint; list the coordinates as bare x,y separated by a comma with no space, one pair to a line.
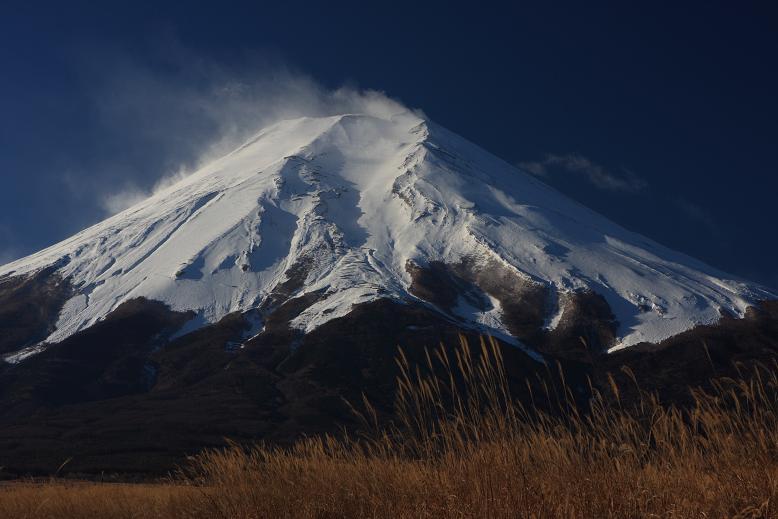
347,202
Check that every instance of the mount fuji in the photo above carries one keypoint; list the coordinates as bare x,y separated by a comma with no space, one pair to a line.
354,208
287,271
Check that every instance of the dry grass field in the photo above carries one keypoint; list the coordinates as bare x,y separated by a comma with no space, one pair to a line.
461,447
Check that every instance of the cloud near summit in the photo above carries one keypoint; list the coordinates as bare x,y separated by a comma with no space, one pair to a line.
170,120
553,166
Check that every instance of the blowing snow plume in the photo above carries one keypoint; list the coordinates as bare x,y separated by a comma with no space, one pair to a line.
177,119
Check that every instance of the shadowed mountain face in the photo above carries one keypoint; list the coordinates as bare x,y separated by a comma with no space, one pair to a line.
126,395
29,308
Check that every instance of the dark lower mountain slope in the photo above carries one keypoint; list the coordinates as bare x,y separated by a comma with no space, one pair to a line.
122,396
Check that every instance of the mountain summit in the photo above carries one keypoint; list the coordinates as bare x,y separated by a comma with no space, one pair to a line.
353,208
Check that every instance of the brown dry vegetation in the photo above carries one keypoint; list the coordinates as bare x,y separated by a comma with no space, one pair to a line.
462,447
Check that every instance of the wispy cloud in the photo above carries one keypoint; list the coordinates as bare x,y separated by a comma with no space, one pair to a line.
554,166
191,110
118,201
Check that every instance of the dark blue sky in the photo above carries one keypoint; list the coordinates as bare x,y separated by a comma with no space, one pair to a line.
662,117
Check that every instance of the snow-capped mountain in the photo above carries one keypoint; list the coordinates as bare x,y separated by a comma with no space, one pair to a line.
353,208
257,296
